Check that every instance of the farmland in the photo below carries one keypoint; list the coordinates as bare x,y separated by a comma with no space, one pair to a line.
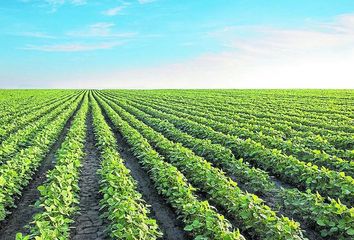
177,164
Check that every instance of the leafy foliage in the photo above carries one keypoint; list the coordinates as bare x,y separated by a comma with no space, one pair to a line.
59,195
260,218
123,204
200,218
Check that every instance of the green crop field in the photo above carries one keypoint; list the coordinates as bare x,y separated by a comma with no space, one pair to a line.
177,164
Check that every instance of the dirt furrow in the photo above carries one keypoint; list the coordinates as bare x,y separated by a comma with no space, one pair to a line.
271,199
24,211
88,224
161,210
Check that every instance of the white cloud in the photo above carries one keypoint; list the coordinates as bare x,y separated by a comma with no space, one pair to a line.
344,24
146,1
113,11
35,35
318,56
101,30
54,5
71,47
78,2
58,2
62,2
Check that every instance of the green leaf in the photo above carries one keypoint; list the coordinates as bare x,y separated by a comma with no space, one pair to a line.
41,189
19,236
188,228
2,181
350,231
321,222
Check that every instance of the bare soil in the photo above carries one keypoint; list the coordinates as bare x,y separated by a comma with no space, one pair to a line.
88,224
24,211
161,210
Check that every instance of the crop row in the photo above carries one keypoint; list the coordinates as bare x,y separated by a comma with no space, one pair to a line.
23,138
332,219
22,121
262,105
341,140
14,107
274,111
281,111
308,139
124,207
288,168
17,172
59,195
227,126
277,137
199,217
258,219
18,109
304,137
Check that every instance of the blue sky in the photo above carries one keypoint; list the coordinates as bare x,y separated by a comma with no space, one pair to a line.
176,44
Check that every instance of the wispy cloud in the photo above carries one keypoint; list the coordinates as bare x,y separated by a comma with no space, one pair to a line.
101,33
146,1
268,42
54,5
320,55
72,47
78,2
344,24
100,30
113,11
34,35
62,2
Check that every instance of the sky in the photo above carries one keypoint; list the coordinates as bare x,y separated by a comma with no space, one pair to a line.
142,44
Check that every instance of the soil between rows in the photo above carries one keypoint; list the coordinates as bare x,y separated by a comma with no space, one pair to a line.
203,196
24,211
161,210
88,224
271,199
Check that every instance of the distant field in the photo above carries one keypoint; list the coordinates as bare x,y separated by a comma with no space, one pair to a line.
177,164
